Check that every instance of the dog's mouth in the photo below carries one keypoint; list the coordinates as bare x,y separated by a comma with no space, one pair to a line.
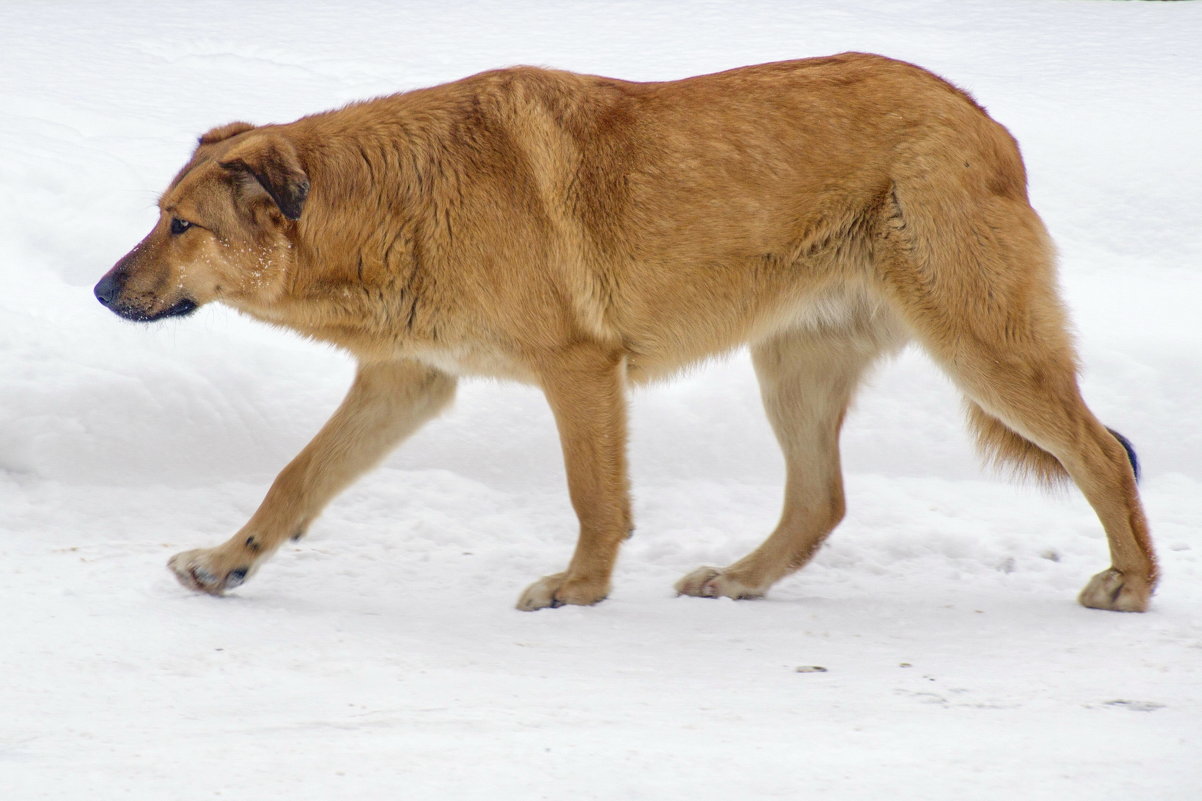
180,308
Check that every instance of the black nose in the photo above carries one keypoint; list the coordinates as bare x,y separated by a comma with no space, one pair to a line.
109,288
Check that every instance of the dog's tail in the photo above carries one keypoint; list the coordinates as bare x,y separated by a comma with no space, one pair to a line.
1005,448
1130,449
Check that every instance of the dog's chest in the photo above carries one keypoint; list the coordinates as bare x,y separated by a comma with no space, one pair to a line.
478,360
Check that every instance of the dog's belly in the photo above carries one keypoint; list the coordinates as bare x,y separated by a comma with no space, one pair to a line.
837,315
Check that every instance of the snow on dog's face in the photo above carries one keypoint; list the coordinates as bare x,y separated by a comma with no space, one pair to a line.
224,231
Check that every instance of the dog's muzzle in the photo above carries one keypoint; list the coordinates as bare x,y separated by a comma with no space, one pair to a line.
108,292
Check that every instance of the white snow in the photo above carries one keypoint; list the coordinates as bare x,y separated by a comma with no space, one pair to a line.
381,657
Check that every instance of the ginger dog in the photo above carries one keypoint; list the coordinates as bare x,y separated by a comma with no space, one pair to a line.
583,233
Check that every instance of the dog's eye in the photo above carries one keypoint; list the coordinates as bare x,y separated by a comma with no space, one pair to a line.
178,226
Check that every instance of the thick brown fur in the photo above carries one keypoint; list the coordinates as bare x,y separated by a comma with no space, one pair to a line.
583,234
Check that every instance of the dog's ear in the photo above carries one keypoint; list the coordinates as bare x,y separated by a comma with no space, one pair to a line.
223,132
272,161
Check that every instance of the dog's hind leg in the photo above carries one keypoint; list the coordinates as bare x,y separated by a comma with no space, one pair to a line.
387,402
807,381
975,282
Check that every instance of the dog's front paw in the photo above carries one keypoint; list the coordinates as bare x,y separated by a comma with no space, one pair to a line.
1116,592
710,582
557,590
207,571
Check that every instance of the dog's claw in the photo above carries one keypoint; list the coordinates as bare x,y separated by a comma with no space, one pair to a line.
203,577
235,578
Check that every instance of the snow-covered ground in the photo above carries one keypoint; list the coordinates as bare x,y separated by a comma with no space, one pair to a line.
381,657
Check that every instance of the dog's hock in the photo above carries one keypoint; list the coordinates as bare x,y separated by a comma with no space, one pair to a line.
273,163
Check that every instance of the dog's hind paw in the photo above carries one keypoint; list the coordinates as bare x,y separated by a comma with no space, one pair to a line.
1116,592
710,582
202,571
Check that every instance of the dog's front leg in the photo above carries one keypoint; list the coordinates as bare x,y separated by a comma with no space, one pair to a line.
387,402
586,390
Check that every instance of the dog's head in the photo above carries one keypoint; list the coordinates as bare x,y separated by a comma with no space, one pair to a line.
225,230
